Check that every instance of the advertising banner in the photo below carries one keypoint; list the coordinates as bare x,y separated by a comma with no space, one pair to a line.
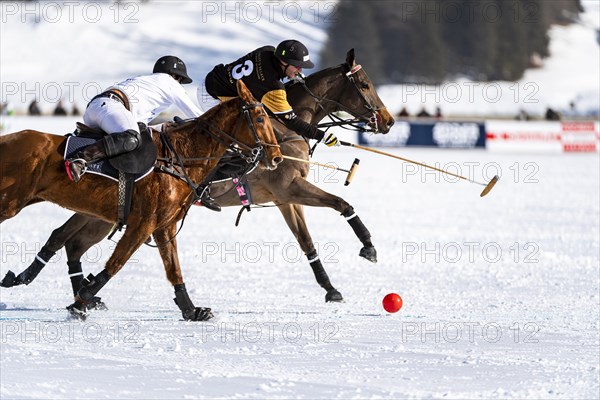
444,134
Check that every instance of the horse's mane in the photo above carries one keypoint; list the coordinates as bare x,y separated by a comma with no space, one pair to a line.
207,116
291,85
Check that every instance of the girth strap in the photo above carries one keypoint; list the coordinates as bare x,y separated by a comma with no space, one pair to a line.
125,193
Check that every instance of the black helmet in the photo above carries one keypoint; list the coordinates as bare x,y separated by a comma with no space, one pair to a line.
295,53
172,65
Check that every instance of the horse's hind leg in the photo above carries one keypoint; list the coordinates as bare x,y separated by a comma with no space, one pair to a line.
167,246
294,217
55,242
132,239
91,233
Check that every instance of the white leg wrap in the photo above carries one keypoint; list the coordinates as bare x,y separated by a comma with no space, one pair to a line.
315,258
40,259
350,217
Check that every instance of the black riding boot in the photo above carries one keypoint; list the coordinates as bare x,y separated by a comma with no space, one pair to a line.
203,192
77,166
109,146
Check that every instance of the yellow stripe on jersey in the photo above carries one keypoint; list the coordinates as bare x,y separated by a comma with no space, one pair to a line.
276,101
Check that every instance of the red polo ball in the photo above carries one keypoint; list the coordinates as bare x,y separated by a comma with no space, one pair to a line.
392,302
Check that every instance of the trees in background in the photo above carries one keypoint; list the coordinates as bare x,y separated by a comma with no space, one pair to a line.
427,41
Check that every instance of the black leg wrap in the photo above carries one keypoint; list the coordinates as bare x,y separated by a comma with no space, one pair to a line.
92,285
322,277
36,267
318,270
188,310
359,228
363,234
76,275
27,276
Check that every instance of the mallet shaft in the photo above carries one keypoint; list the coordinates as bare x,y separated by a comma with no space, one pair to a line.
486,190
314,162
407,160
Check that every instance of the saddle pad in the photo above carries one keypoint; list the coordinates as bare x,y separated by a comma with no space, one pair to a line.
103,168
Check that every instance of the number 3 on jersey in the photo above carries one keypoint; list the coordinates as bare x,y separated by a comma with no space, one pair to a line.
241,70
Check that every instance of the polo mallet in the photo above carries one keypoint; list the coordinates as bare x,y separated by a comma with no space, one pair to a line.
350,172
486,190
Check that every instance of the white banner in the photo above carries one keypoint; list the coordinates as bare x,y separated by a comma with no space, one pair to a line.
542,136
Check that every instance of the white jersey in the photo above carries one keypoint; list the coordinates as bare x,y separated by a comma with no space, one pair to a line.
149,95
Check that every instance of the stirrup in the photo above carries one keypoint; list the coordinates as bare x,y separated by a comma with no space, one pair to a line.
205,200
209,203
71,165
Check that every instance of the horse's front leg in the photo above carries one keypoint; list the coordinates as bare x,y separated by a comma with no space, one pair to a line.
294,217
303,192
167,246
135,235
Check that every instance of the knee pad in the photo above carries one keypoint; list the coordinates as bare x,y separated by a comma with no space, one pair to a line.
122,142
131,139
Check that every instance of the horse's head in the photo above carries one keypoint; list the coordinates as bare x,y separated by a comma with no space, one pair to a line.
360,98
251,132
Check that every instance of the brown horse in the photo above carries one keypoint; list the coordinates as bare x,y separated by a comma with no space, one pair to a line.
343,88
159,200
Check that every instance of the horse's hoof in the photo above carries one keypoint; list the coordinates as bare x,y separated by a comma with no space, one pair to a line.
369,253
78,311
333,296
96,303
10,280
198,314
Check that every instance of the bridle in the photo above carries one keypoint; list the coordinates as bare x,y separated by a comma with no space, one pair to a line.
355,124
175,165
235,148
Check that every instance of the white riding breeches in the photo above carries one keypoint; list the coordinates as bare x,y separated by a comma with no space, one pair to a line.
110,115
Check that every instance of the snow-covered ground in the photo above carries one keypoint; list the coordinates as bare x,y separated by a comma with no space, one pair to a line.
501,294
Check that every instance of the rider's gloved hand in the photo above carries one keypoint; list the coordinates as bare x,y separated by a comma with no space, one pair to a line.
331,140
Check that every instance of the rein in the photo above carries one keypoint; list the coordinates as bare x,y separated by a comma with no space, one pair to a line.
175,161
358,119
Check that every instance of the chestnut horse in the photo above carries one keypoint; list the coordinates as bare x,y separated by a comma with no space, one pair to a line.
34,171
342,88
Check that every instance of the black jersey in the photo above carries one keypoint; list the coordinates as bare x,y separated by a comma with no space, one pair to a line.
260,70
261,73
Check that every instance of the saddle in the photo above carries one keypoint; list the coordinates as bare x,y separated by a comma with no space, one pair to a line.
126,168
134,162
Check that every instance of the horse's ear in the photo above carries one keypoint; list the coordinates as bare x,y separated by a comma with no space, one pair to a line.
244,93
350,58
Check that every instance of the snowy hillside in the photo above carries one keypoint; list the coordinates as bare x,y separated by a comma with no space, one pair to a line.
74,51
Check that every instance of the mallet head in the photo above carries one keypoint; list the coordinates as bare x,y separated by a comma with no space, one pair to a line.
490,185
352,171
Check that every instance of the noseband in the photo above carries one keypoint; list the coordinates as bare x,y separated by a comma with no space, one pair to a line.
371,110
365,103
